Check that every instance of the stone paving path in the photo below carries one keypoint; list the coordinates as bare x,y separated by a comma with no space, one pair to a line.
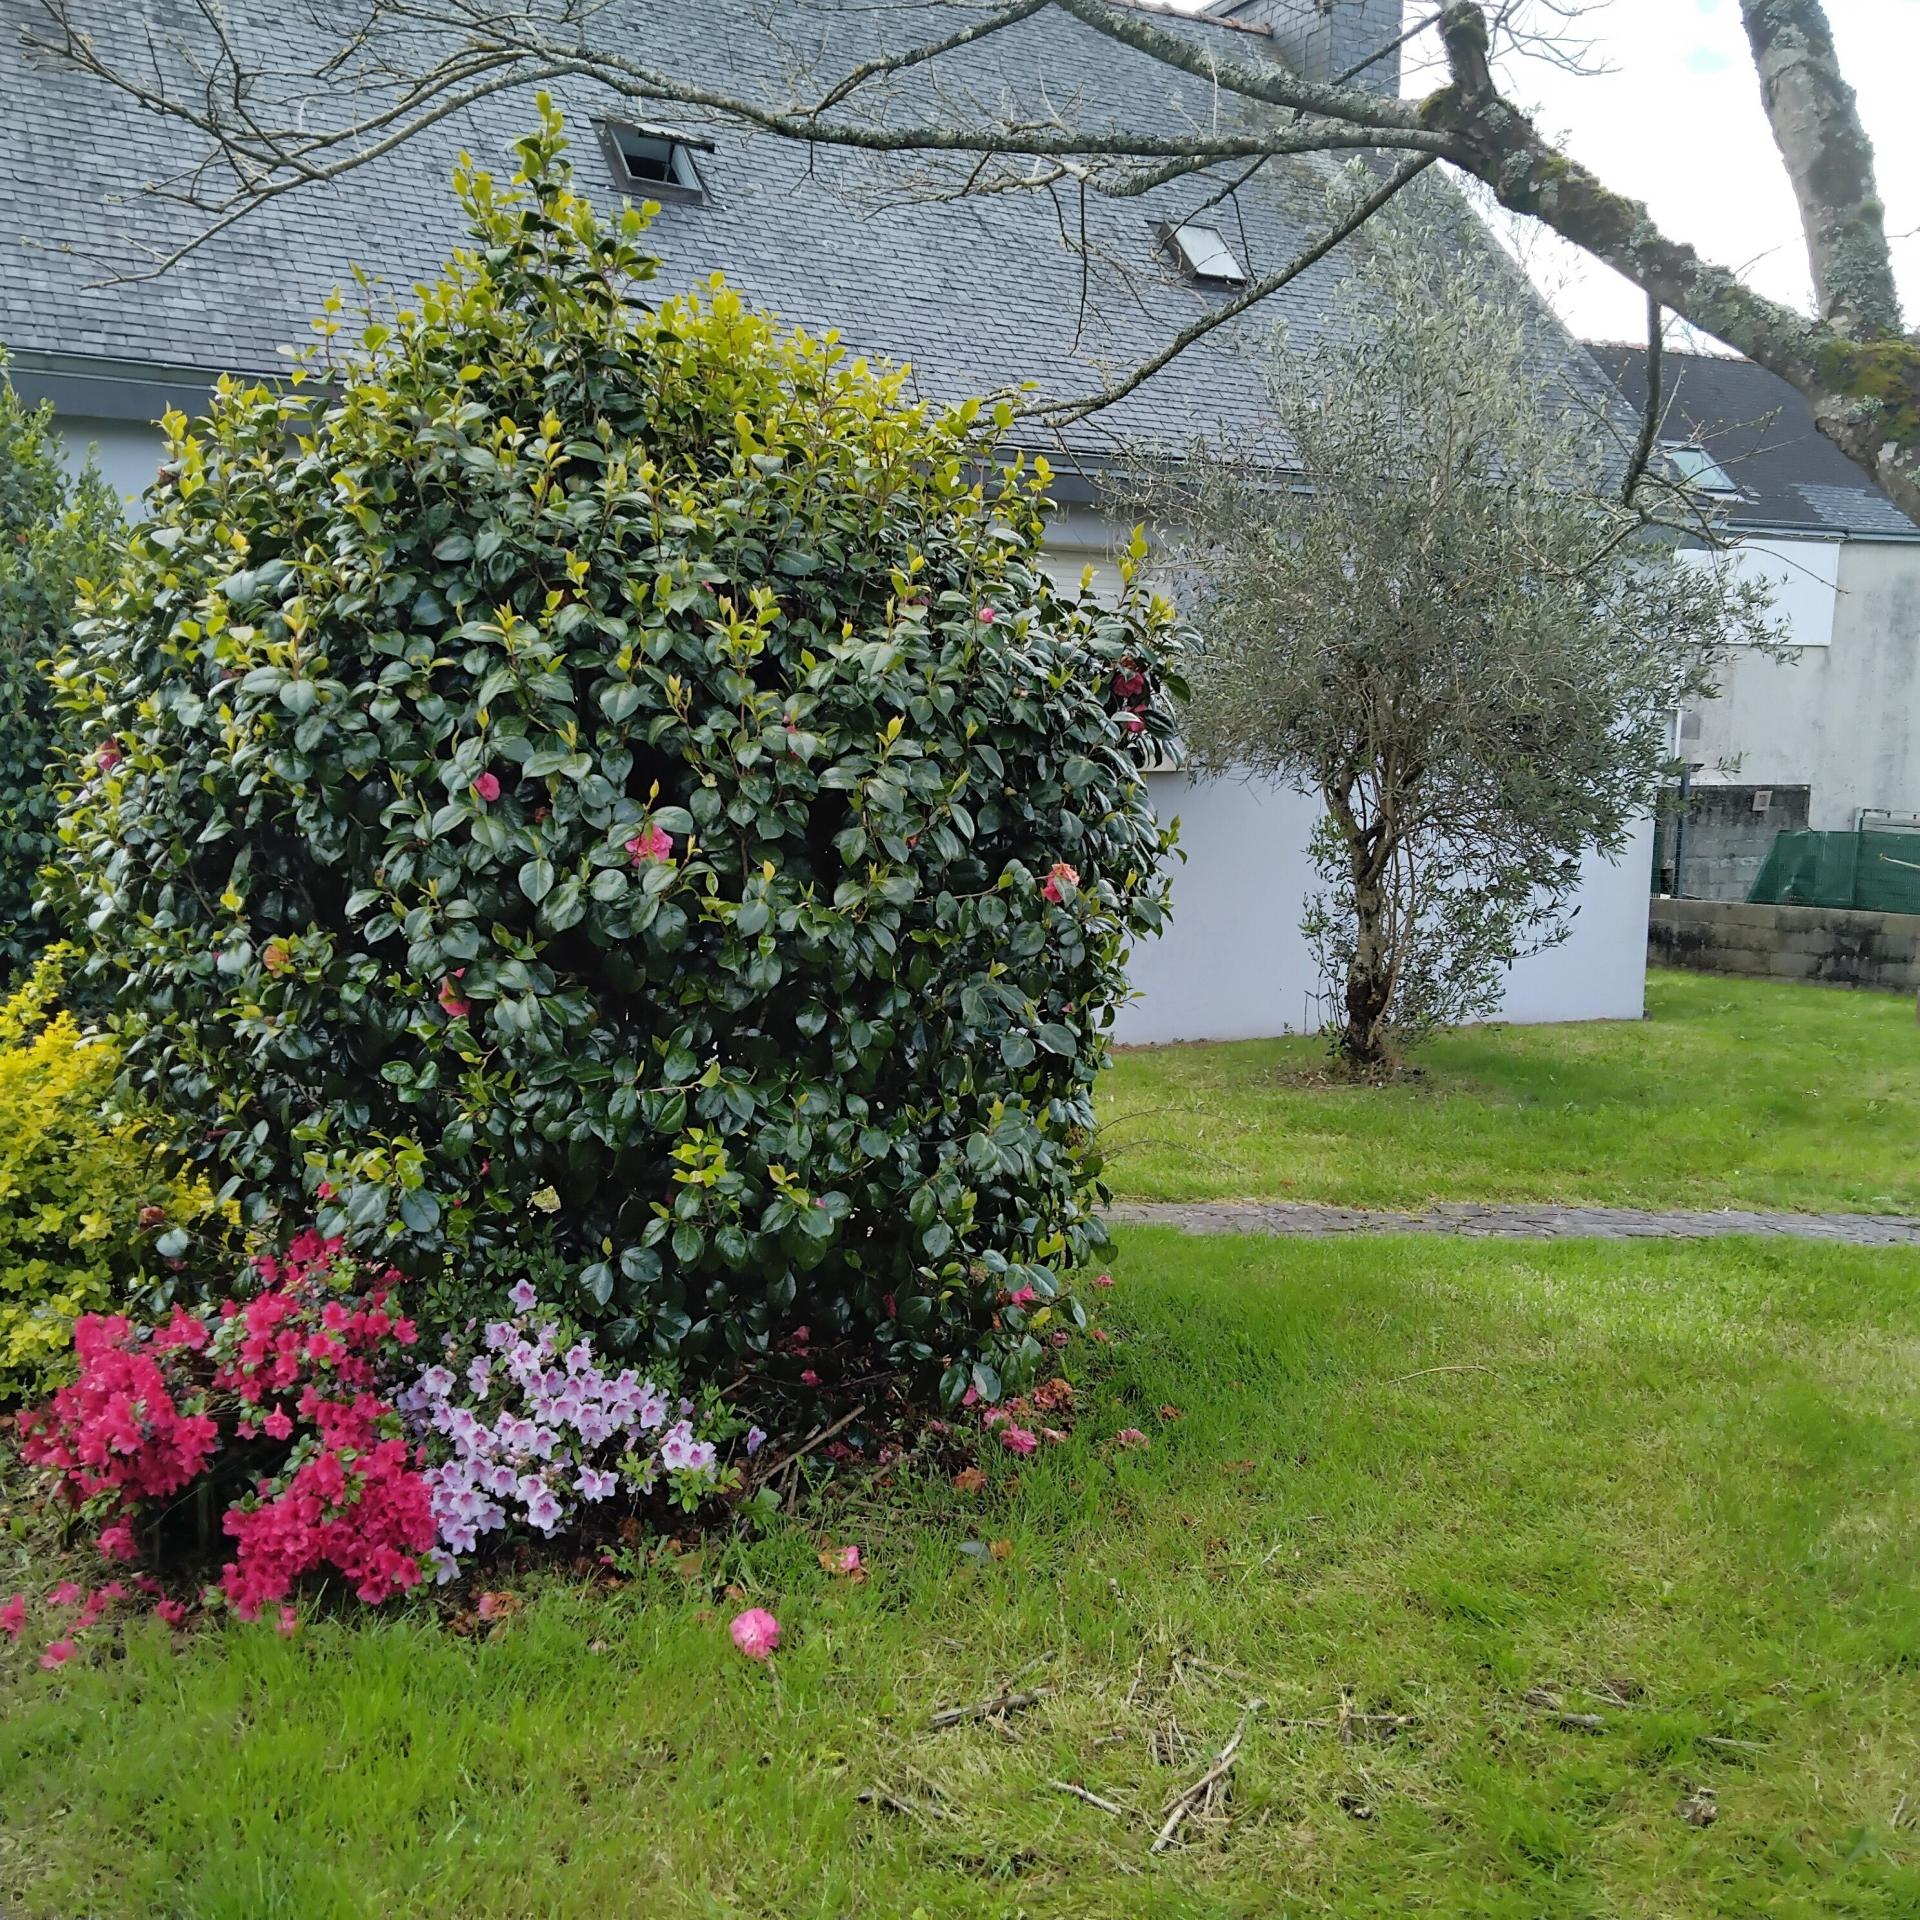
1287,1217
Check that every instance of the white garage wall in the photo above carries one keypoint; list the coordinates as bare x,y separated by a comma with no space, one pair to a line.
1233,965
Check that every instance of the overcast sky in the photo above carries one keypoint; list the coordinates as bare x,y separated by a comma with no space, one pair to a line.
1677,123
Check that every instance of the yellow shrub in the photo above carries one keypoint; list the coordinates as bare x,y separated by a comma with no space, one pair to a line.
85,1197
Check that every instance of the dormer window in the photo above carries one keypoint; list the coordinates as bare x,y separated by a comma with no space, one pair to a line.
654,162
1205,256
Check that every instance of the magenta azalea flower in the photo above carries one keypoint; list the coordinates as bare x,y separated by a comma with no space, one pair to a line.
57,1655
756,1632
13,1616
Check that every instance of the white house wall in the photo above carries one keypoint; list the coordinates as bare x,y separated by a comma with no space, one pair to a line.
1841,713
1233,965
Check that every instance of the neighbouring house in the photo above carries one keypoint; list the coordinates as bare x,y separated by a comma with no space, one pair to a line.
1828,736
978,294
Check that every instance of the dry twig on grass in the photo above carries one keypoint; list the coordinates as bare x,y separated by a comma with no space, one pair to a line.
1190,1799
1092,1799
1000,1703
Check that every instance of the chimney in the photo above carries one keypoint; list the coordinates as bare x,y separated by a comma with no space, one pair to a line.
1323,39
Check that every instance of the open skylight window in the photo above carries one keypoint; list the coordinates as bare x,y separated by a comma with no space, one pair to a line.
1206,256
1694,466
655,162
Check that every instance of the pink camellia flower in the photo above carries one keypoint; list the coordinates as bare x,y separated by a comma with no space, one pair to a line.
172,1612
1131,1437
57,1655
1131,721
988,616
1129,683
756,1632
1024,1297
450,1002
1060,877
654,844
808,1378
1016,1439
1104,1280
13,1616
106,760
845,1560
486,789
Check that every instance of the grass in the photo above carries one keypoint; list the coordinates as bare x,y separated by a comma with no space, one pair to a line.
1678,1485
1731,1093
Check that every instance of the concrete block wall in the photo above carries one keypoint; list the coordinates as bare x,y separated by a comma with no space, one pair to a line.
1830,946
1725,841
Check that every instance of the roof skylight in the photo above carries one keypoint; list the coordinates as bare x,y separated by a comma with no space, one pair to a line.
654,161
1206,256
1694,466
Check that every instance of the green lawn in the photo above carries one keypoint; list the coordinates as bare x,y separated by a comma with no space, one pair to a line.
1676,1486
1731,1093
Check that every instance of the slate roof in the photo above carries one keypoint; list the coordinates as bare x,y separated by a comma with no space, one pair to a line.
1792,478
978,294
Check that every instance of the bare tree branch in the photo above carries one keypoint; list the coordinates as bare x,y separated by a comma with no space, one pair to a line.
1249,296
1650,413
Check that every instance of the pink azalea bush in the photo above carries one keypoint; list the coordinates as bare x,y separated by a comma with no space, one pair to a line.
283,1398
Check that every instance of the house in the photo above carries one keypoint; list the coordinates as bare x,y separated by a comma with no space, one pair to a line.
1827,736
979,294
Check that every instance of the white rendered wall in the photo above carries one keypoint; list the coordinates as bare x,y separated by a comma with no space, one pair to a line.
127,452
1233,965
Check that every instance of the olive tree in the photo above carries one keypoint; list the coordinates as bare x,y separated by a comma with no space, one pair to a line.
1447,623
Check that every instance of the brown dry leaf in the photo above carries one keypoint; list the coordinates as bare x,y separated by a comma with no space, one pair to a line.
689,1565
498,1606
736,1592
1000,1549
1170,1412
969,1480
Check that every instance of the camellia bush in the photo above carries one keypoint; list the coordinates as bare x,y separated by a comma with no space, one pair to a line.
55,527
623,771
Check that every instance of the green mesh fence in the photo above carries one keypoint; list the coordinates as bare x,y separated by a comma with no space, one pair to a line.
1879,871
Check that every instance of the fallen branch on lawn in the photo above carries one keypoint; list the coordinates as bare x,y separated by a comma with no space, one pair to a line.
1002,1702
1092,1799
1189,1799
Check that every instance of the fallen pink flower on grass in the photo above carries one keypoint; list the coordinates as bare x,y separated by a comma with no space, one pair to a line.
172,1612
1131,1437
13,1616
1016,1439
66,1594
756,1632
57,1655
289,1622
1104,1280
